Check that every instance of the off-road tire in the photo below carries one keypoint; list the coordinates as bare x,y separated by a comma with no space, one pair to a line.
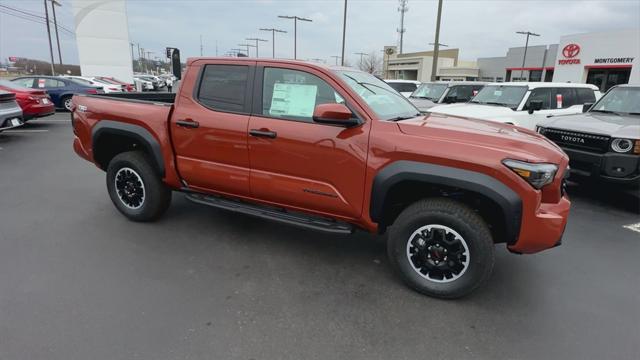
455,216
156,196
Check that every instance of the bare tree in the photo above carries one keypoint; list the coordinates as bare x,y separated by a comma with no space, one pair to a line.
371,63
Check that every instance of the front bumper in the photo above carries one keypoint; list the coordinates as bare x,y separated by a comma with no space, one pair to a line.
543,229
611,167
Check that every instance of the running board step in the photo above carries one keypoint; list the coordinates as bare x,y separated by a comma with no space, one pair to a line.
272,213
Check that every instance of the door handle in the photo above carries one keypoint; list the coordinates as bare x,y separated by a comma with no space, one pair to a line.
263,133
188,123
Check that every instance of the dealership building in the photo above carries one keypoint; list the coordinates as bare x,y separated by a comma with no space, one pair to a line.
604,59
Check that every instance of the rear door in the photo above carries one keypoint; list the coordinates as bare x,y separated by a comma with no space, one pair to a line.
54,87
209,126
296,162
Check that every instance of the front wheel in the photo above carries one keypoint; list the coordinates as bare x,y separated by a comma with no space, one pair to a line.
441,248
66,102
135,187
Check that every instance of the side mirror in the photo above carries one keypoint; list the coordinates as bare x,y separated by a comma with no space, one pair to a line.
534,105
586,107
334,114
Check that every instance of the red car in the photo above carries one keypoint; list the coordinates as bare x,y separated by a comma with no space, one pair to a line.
125,86
34,103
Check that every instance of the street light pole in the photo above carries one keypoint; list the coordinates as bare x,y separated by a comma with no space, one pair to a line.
273,40
295,31
526,45
436,44
247,46
361,55
54,3
336,57
256,40
344,30
46,14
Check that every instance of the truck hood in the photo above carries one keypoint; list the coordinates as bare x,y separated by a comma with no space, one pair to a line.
422,104
476,111
515,142
617,126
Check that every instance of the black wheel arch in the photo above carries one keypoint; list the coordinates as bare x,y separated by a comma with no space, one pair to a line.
109,138
425,178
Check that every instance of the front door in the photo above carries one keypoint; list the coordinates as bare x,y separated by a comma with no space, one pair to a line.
209,127
296,162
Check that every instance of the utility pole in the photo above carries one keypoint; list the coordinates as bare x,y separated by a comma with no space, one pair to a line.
402,9
257,40
344,30
46,14
133,59
295,31
436,44
526,45
273,40
247,46
361,55
54,3
200,44
336,57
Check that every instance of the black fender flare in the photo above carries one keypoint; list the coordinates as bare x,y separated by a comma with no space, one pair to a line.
496,191
142,135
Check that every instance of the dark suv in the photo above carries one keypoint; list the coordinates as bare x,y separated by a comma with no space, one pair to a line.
604,141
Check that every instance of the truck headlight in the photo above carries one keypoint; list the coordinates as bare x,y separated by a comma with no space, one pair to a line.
621,145
538,175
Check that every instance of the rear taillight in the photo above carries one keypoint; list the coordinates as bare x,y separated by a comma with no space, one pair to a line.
34,99
92,91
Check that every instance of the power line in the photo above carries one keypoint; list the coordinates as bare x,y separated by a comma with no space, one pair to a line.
21,14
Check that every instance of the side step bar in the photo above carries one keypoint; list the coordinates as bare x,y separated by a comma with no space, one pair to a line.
272,213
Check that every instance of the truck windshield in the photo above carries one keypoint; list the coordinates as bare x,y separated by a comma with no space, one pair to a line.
509,96
430,91
624,100
383,100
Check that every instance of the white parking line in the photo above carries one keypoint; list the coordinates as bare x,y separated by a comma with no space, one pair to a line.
25,131
633,227
51,120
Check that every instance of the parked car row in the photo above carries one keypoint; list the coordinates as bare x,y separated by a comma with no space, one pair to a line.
601,139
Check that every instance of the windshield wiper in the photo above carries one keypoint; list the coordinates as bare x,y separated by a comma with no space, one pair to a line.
398,118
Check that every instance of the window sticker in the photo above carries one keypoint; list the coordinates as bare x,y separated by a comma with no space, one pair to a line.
293,100
559,101
497,93
41,83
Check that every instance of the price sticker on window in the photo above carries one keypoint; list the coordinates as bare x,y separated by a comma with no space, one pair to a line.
293,100
41,83
559,101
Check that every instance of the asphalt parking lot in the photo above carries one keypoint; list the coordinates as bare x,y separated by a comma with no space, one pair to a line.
79,281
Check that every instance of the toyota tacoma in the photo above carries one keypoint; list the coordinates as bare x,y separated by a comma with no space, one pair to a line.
334,150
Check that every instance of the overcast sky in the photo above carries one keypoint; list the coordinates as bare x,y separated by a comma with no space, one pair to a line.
478,28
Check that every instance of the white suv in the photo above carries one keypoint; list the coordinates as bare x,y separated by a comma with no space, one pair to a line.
404,87
524,104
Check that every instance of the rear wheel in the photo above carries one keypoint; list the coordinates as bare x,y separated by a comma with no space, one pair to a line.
135,187
441,248
66,102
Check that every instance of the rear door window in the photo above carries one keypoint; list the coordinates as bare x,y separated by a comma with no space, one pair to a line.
403,87
585,96
224,87
542,94
565,97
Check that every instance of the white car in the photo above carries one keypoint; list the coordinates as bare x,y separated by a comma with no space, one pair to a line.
404,87
91,81
523,104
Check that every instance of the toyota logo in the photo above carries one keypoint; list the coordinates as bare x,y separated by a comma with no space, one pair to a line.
571,50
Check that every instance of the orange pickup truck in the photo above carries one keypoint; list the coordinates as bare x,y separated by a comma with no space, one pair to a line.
334,150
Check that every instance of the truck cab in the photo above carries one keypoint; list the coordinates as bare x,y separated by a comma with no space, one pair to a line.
523,104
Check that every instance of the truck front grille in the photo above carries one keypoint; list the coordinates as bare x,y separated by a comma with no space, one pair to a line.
577,140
